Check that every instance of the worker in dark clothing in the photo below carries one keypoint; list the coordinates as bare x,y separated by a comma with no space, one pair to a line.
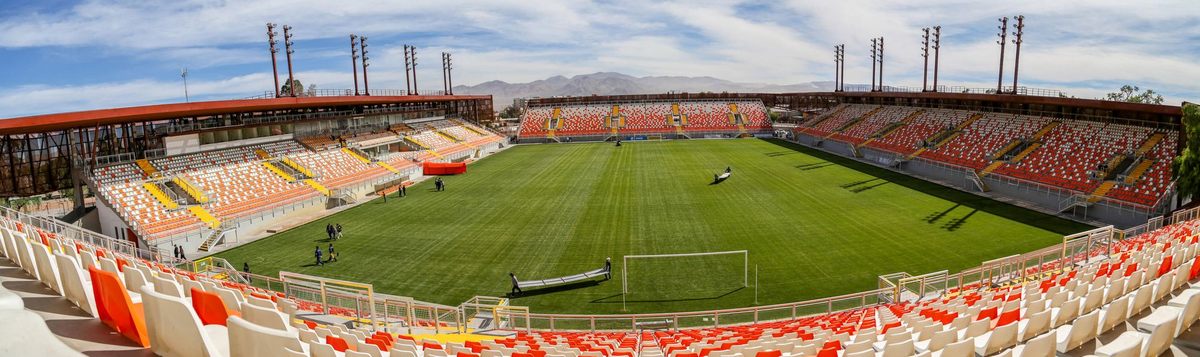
317,252
332,254
516,289
329,231
728,169
607,268
403,190
246,269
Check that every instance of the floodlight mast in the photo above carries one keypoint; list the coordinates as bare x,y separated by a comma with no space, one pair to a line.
287,45
1003,36
1017,41
354,60
937,46
274,67
925,56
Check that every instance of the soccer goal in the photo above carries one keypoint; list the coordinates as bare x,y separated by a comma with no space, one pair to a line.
667,277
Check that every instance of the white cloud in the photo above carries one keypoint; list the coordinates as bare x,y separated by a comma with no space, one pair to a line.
1079,46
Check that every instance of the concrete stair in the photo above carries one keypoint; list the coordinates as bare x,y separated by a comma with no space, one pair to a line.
296,166
356,155
317,186
1099,193
1028,150
160,195
205,216
991,167
1143,165
285,176
147,168
191,189
1150,143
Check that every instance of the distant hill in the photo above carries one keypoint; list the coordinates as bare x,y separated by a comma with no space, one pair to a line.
611,83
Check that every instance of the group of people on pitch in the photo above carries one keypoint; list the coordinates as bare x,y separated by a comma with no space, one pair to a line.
333,255
333,231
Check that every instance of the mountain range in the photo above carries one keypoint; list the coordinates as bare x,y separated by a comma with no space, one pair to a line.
611,83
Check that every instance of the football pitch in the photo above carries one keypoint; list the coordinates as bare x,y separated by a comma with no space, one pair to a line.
815,225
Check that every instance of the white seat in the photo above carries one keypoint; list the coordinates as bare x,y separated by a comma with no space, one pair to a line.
1071,336
996,340
175,330
862,353
169,287
1189,304
1141,299
232,299
264,317
1129,344
964,348
1113,314
260,302
1068,312
248,339
1033,325
46,267
76,284
134,280
975,329
1041,346
899,349
1158,328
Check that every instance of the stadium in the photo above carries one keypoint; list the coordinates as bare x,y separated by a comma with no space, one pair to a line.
889,221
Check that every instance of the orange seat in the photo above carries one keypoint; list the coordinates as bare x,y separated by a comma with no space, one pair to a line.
115,309
1166,265
337,343
464,354
1195,270
210,308
769,353
121,263
990,313
311,325
1009,317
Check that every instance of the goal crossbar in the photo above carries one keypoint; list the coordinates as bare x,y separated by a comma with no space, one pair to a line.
625,264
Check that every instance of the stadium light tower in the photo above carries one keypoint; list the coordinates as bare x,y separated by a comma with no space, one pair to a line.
407,71
362,45
842,67
413,49
1017,42
354,60
446,67
274,69
874,60
1003,36
837,67
881,63
937,46
925,55
287,45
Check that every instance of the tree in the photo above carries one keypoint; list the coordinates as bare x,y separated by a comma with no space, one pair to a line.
1186,167
286,90
510,112
312,90
1133,94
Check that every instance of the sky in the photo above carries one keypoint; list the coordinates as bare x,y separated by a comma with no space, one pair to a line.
62,55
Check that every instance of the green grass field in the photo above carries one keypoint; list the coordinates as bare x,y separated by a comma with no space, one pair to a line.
816,225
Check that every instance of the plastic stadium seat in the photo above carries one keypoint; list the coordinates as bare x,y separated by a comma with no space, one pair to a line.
264,317
337,343
248,339
75,288
114,308
175,330
210,308
1072,336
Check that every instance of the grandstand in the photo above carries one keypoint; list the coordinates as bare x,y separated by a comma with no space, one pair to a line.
609,120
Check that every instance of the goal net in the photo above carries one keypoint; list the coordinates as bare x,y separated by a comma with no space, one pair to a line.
667,277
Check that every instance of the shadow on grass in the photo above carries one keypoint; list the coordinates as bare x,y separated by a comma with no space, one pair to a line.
554,289
957,223
934,217
863,182
1019,214
779,153
860,189
814,166
615,299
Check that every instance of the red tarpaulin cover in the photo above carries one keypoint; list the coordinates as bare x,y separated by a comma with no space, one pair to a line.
444,168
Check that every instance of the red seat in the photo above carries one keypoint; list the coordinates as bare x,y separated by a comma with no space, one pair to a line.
210,308
115,309
1009,317
769,353
990,313
1165,267
337,343
311,325
383,345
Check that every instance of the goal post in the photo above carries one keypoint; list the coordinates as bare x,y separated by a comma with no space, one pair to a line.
686,273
